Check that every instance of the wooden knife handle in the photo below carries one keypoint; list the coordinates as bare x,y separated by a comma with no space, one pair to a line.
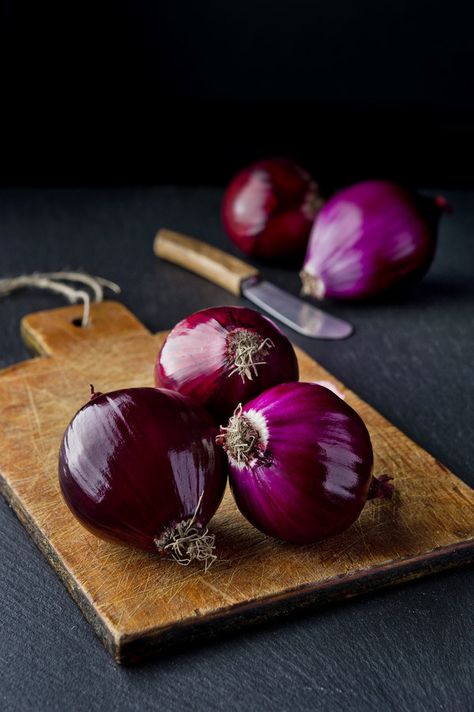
219,267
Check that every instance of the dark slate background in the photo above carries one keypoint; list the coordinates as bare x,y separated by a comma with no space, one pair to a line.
405,649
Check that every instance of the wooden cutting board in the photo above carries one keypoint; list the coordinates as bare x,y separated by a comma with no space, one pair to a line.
138,603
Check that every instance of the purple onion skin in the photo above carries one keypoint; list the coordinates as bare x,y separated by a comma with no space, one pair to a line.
135,462
369,237
195,358
312,479
269,207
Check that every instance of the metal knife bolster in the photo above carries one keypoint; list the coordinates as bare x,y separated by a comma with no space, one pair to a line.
304,318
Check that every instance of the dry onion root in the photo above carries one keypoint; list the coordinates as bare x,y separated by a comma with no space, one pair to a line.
187,542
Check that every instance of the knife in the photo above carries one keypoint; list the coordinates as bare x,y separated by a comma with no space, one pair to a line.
241,279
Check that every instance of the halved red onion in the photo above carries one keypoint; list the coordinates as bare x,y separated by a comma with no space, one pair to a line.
269,208
140,466
222,356
367,238
300,462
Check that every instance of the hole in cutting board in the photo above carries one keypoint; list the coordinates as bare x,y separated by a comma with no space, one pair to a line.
77,322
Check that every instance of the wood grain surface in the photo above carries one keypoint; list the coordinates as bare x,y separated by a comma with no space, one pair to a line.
138,603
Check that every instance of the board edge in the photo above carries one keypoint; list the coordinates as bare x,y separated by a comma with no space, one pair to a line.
131,649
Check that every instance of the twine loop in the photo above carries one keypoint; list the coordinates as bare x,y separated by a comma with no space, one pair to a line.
55,282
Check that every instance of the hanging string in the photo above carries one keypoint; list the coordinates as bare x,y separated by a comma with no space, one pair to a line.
54,282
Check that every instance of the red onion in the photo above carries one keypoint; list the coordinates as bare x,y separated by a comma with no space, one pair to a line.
222,356
269,208
300,462
332,387
140,466
369,237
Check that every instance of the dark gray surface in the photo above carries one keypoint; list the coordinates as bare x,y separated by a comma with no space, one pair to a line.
408,648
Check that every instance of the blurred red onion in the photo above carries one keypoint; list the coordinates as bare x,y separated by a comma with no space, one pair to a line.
367,238
269,208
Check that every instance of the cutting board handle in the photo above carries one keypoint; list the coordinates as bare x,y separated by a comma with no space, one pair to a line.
58,332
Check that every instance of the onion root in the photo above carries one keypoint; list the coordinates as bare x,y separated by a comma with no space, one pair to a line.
246,350
186,543
312,286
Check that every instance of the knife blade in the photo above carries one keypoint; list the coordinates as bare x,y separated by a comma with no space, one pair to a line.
295,313
242,279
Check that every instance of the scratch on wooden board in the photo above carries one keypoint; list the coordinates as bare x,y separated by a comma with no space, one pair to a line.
363,539
352,544
220,592
34,412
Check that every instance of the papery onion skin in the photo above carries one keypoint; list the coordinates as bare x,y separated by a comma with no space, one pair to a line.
269,208
195,358
369,237
310,478
136,462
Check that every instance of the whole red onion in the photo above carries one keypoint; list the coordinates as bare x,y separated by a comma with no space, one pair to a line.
269,208
222,356
300,462
140,466
367,238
